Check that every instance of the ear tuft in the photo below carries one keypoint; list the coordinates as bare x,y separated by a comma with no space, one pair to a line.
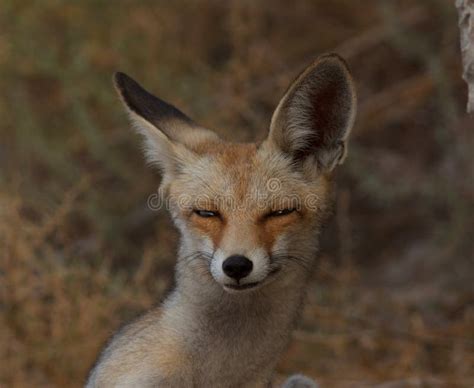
316,114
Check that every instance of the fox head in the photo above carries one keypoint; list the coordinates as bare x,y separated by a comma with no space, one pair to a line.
249,214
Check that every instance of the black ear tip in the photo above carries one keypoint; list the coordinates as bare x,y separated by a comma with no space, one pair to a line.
120,79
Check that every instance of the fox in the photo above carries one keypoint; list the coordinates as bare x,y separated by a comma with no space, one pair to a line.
249,217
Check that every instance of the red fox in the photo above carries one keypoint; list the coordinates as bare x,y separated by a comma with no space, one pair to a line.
249,217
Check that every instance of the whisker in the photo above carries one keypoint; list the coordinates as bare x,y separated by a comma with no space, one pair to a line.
303,262
198,256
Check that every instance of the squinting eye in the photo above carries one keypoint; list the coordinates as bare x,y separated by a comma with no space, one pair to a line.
206,213
279,213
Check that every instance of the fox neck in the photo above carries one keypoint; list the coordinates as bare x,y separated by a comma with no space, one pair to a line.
249,328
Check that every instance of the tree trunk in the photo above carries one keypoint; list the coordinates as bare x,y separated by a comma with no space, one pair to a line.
466,27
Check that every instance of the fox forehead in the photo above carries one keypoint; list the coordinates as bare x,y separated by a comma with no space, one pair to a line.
227,168
248,177
240,172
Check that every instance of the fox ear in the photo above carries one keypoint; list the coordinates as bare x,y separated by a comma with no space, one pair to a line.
314,117
169,134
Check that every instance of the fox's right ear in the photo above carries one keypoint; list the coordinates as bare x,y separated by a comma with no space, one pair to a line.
169,134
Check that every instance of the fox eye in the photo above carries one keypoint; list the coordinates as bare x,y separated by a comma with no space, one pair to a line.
282,212
206,213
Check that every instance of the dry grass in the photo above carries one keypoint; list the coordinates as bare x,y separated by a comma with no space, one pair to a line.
80,252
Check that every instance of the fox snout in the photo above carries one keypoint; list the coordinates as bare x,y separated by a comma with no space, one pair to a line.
237,267
240,271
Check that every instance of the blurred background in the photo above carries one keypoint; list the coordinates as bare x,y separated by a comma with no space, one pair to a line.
80,252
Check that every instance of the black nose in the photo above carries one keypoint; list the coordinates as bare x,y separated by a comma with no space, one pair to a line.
237,266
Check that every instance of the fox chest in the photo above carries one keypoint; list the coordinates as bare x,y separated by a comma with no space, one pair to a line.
240,357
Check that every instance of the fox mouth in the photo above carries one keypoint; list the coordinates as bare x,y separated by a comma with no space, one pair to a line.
249,286
239,287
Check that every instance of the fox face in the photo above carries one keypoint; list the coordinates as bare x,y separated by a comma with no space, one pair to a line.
249,213
248,210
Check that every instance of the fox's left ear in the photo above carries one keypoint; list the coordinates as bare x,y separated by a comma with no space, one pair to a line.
314,118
